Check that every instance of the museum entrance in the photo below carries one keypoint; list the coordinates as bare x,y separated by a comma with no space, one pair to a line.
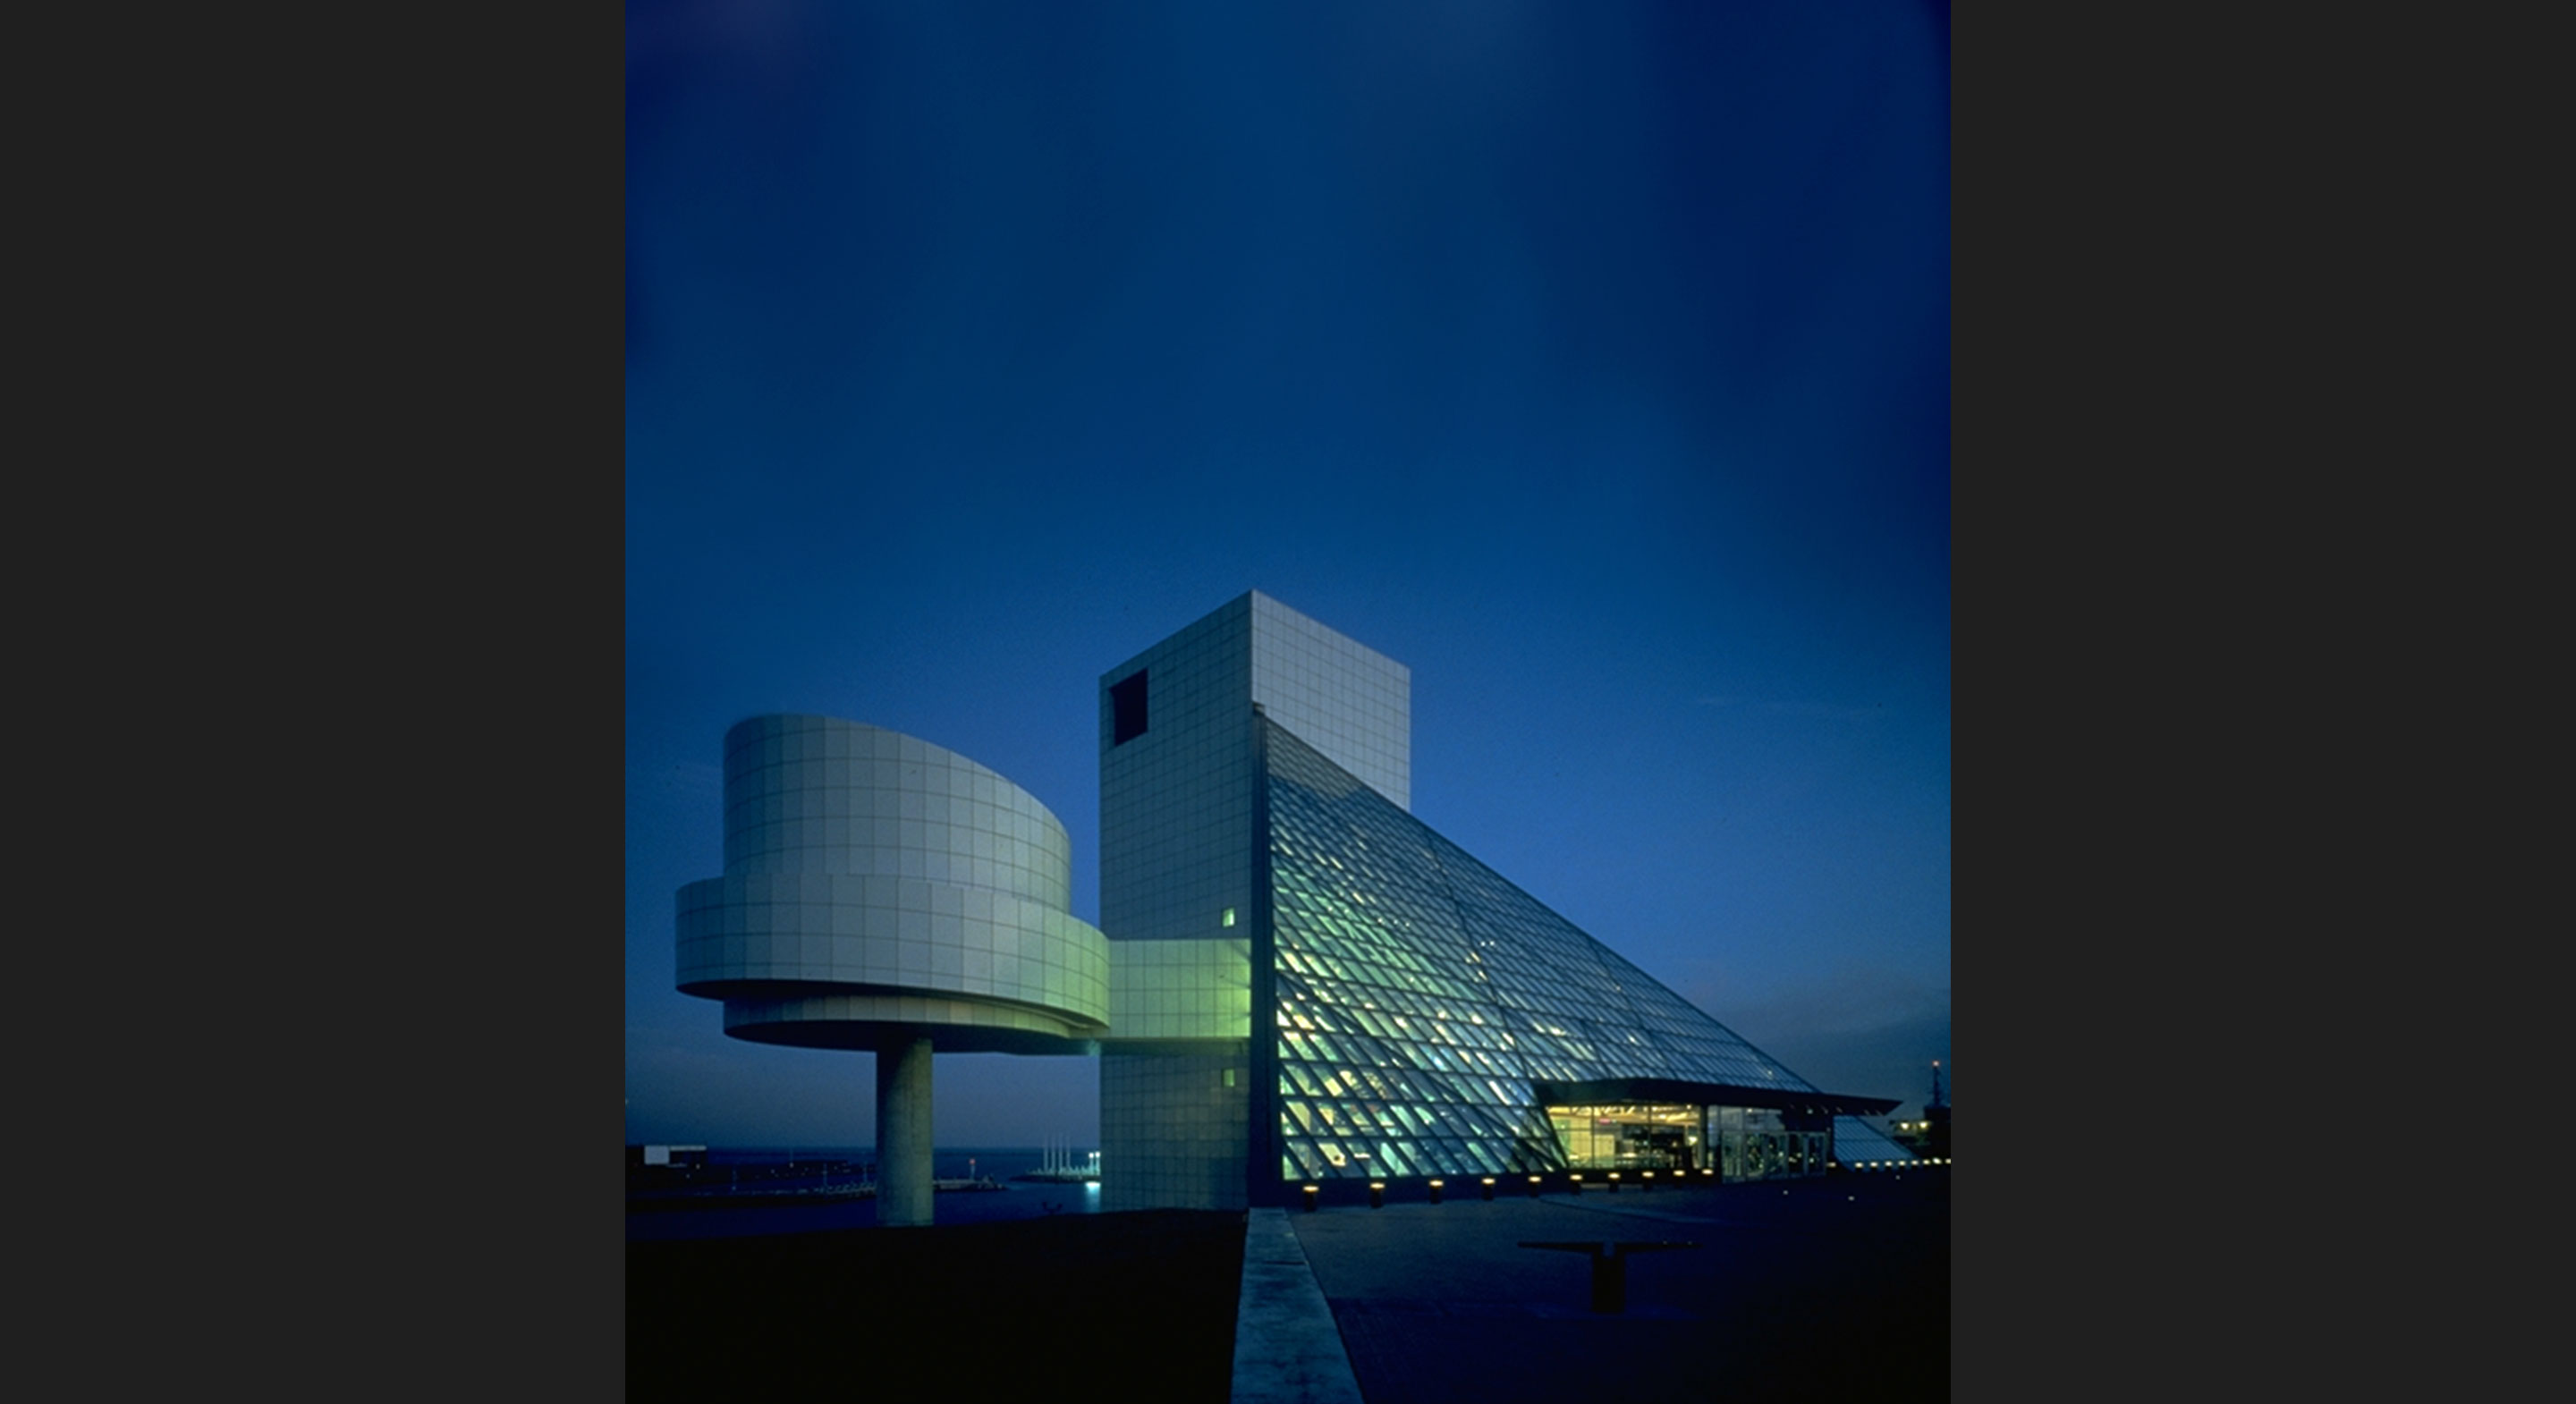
1739,1143
1631,1137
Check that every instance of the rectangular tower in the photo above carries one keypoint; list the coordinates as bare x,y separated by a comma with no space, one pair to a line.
1181,854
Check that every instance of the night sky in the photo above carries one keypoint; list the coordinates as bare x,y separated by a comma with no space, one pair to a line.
1590,360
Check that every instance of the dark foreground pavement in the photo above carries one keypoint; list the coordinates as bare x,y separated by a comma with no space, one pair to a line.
1825,1289
1134,1307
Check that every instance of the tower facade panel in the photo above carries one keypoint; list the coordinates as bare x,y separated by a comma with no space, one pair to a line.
1350,702
1179,858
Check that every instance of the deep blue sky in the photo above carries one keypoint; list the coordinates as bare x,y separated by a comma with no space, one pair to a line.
1592,361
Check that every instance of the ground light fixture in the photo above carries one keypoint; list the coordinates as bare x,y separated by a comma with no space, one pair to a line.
1533,1187
1435,1191
1312,1191
1377,1194
1488,1189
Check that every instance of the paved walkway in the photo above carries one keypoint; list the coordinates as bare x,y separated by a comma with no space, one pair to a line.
1287,1349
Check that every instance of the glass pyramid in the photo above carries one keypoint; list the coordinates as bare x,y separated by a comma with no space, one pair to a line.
1427,1010
1856,1142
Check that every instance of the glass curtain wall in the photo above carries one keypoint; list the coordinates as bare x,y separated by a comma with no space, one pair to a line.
1754,1143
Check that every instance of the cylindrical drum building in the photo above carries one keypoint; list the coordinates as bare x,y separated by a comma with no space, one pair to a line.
885,894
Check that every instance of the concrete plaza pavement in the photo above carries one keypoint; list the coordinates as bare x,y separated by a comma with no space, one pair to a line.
1830,1288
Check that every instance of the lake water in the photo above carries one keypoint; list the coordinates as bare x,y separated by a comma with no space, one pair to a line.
1012,1201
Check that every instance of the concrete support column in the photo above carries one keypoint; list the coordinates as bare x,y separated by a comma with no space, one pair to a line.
903,1133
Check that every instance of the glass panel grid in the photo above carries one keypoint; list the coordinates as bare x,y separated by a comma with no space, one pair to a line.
1420,994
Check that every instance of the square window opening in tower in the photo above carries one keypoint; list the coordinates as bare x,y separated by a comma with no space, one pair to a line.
1127,710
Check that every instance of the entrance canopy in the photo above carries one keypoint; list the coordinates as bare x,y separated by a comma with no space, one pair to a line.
1597,1091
